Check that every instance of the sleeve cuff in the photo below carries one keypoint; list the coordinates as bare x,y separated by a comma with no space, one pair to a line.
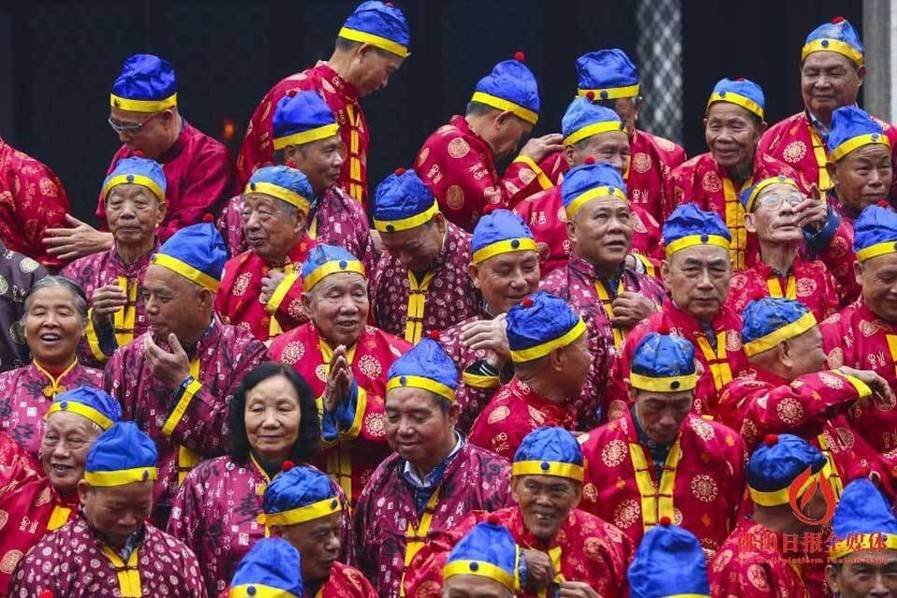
102,342
544,181
480,375
861,387
280,292
346,420
819,241
188,389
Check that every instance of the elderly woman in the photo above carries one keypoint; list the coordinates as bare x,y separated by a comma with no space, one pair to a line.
54,322
273,421
40,496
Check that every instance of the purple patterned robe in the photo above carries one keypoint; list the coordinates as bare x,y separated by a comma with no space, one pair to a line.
73,563
26,394
18,273
474,479
189,423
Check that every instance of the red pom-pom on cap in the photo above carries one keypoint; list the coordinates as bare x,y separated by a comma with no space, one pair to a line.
434,335
208,217
590,95
519,56
837,20
490,207
740,79
400,171
664,329
771,439
287,465
46,594
665,521
292,93
389,4
138,154
589,160
527,302
493,519
883,203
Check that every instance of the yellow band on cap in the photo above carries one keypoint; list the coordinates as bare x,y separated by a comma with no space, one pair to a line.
693,240
552,468
315,510
503,104
185,270
832,45
611,93
143,105
759,187
541,350
405,381
394,226
259,591
332,267
281,193
603,191
133,179
737,99
375,40
322,132
795,328
608,126
867,253
775,498
663,383
480,569
499,247
120,477
81,409
857,142
858,542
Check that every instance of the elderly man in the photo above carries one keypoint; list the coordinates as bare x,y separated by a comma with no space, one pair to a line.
567,552
303,507
420,282
273,567
863,557
19,274
549,348
457,161
109,549
370,47
485,562
832,71
697,273
660,460
134,196
260,288
345,362
435,476
669,562
144,114
175,379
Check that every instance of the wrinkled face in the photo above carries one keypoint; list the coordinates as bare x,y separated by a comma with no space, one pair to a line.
416,426
878,277
601,231
371,69
473,586
807,355
63,449
338,305
773,218
133,213
731,133
272,227
153,136
272,417
575,362
417,248
174,304
53,326
698,279
506,133
607,148
321,161
504,280
829,80
318,541
545,501
118,511
863,177
865,574
661,413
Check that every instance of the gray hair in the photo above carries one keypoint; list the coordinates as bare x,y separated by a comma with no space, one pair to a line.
78,295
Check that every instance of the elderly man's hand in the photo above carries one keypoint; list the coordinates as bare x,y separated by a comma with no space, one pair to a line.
269,284
339,380
107,300
168,368
489,336
539,571
71,243
537,148
631,308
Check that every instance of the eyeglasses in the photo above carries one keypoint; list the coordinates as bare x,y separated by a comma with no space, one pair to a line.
131,128
775,200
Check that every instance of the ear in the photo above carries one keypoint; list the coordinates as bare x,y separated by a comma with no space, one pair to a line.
571,228
276,531
503,118
82,489
306,302
578,498
454,412
858,272
763,126
362,51
207,297
831,575
570,155
749,223
473,271
704,125
163,209
291,156
557,358
861,74
300,225
637,105
784,353
514,494
832,169
665,272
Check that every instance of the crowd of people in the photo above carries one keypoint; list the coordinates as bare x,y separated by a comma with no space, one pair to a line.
608,371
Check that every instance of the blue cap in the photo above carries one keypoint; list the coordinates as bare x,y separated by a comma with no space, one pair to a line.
324,260
196,252
272,567
510,86
379,24
549,451
497,232
300,494
863,520
584,119
776,464
853,128
607,74
540,324
770,321
95,404
740,92
301,118
284,183
749,196
874,233
403,202
838,36
488,550
121,455
590,181
137,171
146,84
669,561
663,363
689,225
426,366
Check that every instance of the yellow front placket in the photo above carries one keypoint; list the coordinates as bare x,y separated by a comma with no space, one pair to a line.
416,536
55,386
775,288
716,360
735,222
657,501
339,460
355,183
417,302
821,156
607,302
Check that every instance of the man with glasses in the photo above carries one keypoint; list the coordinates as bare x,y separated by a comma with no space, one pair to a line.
144,114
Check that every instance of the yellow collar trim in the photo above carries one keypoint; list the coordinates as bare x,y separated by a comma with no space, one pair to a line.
331,267
186,270
603,191
610,93
737,99
120,477
795,328
663,383
552,468
506,246
133,179
608,126
394,226
281,193
693,240
381,42
503,104
866,541
81,409
318,133
759,187
541,350
143,105
848,145
405,381
832,45
315,510
482,569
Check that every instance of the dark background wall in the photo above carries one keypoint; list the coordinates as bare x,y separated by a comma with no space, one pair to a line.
58,59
